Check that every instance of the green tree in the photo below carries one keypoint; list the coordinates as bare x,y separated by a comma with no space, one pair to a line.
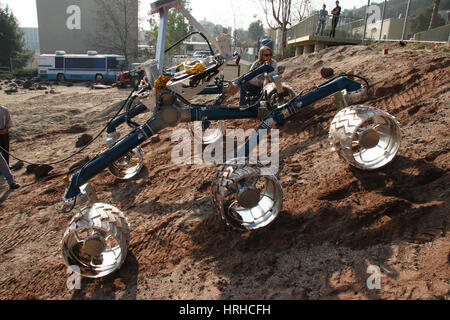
11,41
177,28
422,21
434,15
256,30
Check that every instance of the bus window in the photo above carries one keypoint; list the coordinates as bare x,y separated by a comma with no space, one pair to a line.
59,63
99,63
79,63
112,63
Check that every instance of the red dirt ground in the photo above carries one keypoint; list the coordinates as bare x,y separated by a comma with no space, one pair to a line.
336,220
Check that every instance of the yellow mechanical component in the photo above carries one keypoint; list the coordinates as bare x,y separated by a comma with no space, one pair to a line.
66,180
161,83
183,64
197,68
348,73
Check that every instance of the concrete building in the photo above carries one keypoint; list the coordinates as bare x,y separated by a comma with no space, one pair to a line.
31,40
78,26
392,30
31,37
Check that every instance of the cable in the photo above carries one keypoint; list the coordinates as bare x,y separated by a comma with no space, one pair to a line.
84,147
190,34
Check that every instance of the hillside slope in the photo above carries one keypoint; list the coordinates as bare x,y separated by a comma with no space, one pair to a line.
336,220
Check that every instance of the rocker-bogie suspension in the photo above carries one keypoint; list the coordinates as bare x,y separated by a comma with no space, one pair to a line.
187,114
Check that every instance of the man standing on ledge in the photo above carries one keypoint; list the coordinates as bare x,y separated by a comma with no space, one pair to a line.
323,14
334,21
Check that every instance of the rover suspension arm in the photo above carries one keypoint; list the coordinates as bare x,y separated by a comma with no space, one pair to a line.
155,124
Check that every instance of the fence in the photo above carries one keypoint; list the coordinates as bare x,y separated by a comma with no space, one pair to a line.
347,27
384,20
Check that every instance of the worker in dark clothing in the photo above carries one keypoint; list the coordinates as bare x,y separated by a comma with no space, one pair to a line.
5,124
6,173
336,12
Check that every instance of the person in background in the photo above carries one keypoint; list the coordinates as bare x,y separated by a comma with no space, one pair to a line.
5,124
336,12
4,170
255,85
323,14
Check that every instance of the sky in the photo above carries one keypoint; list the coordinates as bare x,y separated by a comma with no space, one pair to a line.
229,13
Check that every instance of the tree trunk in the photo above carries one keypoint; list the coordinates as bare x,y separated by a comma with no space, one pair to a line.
434,14
283,41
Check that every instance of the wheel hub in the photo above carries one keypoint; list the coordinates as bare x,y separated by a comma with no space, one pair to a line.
94,245
125,160
249,198
369,139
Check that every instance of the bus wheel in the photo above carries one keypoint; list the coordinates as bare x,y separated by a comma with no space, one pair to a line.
98,77
60,77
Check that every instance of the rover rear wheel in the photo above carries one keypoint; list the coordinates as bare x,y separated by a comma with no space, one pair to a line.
365,137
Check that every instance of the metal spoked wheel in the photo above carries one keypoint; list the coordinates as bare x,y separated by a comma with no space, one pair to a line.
96,241
274,97
365,137
210,131
129,165
245,198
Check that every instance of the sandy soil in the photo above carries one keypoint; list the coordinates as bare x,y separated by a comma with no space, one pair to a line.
336,220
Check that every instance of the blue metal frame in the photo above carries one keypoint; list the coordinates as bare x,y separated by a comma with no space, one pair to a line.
212,112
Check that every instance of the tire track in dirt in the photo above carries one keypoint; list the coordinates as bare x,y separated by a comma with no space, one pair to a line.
308,252
412,89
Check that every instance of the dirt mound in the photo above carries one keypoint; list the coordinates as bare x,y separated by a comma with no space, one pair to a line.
336,220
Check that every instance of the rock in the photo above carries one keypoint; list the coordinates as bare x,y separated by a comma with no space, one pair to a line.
326,73
76,128
27,84
101,86
155,139
17,166
39,170
83,140
11,90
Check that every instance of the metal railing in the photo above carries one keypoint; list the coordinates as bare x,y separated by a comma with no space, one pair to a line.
248,57
347,27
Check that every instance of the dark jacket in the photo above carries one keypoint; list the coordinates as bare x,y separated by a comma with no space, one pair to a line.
336,11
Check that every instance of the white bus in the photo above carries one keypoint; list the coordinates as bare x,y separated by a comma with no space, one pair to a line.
91,66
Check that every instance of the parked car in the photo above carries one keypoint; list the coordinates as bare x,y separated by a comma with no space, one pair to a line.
129,78
202,54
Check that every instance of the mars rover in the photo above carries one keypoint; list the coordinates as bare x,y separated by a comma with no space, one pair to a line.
246,196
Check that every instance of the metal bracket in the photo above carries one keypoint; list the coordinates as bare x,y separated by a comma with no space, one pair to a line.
340,100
